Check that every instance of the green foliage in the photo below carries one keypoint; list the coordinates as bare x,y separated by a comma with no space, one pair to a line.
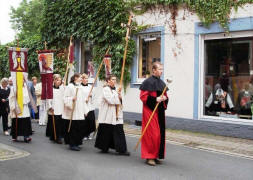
33,43
207,10
26,19
97,21
4,62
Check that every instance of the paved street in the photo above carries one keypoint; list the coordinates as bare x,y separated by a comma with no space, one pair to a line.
52,161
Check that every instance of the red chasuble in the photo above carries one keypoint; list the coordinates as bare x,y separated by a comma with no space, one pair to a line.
153,141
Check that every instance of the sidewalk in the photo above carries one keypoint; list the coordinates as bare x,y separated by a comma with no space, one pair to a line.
220,144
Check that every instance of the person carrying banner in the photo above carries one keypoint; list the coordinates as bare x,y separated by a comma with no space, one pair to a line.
21,122
90,118
110,132
75,108
55,123
46,65
153,141
20,95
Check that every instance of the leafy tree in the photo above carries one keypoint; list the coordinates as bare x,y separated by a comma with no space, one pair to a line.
26,19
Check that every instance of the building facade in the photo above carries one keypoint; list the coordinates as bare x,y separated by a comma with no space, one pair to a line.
212,71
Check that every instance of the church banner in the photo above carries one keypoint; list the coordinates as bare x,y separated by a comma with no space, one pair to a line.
107,62
18,59
18,69
46,65
46,61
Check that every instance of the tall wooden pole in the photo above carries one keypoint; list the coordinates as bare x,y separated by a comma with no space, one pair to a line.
99,68
53,119
67,67
17,100
73,109
125,52
45,45
17,43
124,58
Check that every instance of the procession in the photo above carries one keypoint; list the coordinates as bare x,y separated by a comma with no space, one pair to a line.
136,89
68,110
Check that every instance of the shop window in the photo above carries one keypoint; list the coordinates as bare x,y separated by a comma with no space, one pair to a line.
87,66
149,51
228,90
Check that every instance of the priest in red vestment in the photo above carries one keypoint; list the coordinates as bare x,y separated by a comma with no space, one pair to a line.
153,141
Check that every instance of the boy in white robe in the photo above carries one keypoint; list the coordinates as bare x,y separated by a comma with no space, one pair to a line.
110,118
75,106
90,118
55,123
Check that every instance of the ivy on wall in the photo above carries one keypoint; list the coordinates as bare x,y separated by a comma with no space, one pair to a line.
208,11
97,21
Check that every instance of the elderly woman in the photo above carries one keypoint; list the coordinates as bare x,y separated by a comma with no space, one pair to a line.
4,104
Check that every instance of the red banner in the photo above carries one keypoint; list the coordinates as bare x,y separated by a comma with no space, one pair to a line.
18,59
107,62
46,61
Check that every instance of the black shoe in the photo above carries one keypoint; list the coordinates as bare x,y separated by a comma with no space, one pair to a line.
27,139
58,141
124,153
74,148
104,151
157,161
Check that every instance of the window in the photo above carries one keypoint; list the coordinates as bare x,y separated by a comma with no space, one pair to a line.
149,51
228,78
87,66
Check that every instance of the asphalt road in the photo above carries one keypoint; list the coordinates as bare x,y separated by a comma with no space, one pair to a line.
49,161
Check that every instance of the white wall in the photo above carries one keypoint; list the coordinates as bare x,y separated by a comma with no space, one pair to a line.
178,63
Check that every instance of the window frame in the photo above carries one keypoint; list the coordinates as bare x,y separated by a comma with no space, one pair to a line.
140,53
81,54
202,38
135,80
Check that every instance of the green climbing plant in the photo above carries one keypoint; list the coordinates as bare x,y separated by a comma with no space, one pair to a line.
99,22
208,11
95,21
